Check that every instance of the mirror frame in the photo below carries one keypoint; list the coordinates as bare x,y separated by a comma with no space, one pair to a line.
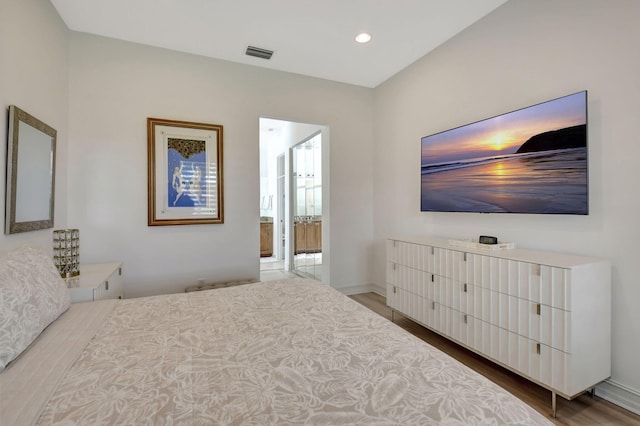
16,116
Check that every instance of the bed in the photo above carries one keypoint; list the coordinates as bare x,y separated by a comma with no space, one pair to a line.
281,352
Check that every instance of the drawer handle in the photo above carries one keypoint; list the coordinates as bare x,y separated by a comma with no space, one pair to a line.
394,289
465,318
538,309
538,348
120,271
106,285
433,305
394,266
465,287
432,278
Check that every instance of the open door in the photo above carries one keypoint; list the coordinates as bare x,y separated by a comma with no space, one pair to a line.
307,204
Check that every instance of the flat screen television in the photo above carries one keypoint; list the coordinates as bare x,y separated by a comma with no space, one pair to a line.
532,160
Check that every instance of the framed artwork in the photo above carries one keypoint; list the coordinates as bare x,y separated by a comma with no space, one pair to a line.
184,172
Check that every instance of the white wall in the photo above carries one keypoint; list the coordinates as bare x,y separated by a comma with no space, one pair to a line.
33,76
115,86
523,53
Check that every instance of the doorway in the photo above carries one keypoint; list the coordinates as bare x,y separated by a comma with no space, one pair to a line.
293,240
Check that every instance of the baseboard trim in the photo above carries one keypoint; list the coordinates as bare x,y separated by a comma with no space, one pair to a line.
355,289
619,394
362,288
378,289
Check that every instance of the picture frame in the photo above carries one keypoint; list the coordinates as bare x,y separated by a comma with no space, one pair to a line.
185,173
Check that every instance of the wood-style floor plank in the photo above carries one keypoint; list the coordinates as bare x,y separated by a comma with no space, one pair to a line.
583,410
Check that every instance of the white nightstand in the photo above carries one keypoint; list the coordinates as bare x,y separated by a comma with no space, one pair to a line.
96,281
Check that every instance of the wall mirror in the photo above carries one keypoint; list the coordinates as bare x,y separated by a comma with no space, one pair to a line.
31,159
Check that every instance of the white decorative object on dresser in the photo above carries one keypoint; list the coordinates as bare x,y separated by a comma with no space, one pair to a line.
97,281
543,315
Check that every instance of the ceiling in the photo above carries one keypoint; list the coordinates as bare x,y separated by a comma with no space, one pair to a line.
313,38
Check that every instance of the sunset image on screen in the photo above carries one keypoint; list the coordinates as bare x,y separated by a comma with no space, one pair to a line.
533,160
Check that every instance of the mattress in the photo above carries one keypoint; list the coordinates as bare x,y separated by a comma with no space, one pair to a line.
281,352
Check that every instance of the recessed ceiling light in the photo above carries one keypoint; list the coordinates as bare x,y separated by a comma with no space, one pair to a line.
363,38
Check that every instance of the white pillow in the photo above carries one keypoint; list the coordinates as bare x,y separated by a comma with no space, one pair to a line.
32,295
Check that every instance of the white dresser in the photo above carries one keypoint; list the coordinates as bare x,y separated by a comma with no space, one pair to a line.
97,281
543,315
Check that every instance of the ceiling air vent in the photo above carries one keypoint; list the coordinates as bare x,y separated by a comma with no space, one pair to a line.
258,52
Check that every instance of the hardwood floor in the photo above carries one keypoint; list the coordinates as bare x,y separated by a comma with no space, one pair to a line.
583,410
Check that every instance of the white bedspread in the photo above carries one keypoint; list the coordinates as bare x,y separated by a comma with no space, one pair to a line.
288,352
28,381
